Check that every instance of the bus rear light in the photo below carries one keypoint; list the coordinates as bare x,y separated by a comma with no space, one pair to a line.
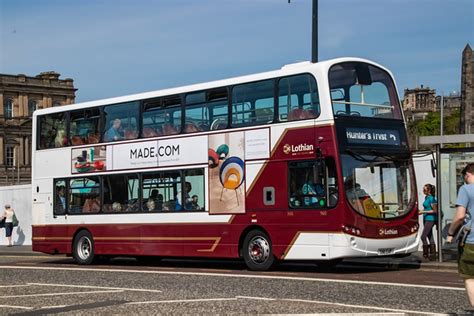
351,230
415,228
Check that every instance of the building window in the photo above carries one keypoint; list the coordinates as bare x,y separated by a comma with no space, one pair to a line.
32,104
10,156
8,109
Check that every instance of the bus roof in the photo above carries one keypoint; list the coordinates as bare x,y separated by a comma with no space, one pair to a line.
289,69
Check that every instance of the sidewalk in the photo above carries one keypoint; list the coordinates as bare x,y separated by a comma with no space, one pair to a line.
413,261
18,251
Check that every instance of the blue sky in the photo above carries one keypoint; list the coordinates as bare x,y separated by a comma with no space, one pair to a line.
118,47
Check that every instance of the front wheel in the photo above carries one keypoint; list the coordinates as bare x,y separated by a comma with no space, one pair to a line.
257,251
83,248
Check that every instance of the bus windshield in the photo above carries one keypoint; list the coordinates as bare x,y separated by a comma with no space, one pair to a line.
360,89
377,185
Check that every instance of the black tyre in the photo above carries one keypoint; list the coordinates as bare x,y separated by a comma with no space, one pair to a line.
257,251
83,248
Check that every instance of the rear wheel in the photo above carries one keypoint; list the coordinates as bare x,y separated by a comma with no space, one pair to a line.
83,248
257,251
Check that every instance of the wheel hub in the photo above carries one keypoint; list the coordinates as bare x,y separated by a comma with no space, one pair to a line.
259,249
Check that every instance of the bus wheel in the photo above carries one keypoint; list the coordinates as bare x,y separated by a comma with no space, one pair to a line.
83,248
257,251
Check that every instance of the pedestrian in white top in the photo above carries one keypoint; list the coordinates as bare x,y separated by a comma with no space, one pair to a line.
8,215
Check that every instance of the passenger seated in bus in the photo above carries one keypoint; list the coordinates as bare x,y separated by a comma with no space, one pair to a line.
132,206
114,132
91,205
151,205
194,202
116,207
60,139
154,194
157,197
187,198
60,203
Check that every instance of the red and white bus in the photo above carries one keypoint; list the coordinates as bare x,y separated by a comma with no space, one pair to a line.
309,162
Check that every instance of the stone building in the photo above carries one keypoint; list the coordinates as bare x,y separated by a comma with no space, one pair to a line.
418,102
20,96
451,103
467,92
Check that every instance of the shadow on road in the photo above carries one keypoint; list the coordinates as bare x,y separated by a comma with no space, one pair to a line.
348,266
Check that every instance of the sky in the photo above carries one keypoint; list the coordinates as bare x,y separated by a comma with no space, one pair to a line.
119,47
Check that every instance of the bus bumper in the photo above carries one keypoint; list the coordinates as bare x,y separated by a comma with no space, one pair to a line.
320,246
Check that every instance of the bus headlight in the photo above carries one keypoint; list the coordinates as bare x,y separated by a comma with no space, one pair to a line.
351,230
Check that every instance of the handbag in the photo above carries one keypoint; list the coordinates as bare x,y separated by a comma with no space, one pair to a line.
2,223
15,220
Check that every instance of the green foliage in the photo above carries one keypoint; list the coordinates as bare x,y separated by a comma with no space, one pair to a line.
430,126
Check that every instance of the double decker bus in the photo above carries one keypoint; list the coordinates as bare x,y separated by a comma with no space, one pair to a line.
309,162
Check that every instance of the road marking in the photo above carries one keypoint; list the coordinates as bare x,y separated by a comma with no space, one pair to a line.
56,306
254,276
361,306
337,304
256,298
18,285
18,307
183,301
58,294
96,287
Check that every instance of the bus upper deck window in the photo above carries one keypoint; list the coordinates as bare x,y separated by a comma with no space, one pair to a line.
162,117
84,126
52,131
298,98
121,121
360,89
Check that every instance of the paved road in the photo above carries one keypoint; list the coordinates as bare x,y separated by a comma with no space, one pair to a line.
47,285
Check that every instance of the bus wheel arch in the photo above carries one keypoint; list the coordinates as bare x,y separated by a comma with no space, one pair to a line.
83,250
255,247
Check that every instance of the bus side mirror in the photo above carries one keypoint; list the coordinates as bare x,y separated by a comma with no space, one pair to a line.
318,170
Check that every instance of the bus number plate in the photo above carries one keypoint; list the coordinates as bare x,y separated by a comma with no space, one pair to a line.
385,251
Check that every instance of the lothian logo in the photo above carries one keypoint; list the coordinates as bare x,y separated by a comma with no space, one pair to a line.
385,231
287,148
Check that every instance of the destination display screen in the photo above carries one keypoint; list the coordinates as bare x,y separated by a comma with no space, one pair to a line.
372,136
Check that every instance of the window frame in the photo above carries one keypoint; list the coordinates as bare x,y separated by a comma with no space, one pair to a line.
140,176
253,109
8,108
277,98
31,103
10,155
327,194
